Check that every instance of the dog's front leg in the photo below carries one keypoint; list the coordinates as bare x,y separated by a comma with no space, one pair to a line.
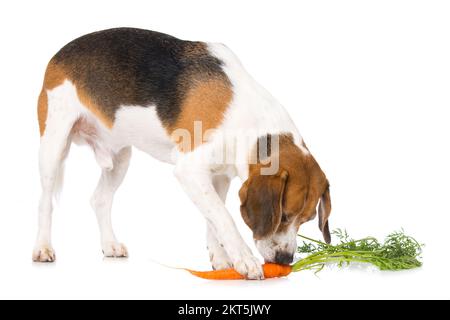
197,183
217,254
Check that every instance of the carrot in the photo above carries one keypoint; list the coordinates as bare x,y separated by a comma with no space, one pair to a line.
271,270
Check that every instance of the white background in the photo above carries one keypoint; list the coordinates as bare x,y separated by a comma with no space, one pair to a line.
367,83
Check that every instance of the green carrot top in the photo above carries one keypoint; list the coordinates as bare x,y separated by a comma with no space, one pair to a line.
398,252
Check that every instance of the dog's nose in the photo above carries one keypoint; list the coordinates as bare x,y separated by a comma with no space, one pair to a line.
283,257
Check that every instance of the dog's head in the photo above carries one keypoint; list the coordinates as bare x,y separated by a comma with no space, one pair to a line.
274,206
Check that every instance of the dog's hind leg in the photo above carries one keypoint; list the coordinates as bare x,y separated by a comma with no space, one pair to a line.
101,201
56,120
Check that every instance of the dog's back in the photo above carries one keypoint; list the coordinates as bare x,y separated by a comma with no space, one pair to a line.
133,67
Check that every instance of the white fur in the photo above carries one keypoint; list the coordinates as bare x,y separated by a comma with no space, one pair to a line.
217,254
141,128
253,112
281,242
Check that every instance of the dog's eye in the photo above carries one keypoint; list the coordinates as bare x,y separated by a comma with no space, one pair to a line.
284,218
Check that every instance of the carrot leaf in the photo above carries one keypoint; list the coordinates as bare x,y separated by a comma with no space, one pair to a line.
397,252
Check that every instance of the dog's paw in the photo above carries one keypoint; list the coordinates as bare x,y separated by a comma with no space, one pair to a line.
114,250
44,254
250,267
219,259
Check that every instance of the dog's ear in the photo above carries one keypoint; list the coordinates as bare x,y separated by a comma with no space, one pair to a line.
262,201
324,214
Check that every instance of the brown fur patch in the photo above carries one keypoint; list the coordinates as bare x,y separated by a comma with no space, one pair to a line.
205,103
306,182
54,76
195,49
42,111
262,199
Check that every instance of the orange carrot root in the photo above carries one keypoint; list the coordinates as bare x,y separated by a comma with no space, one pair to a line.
271,270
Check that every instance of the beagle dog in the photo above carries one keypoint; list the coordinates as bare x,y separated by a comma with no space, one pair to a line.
190,104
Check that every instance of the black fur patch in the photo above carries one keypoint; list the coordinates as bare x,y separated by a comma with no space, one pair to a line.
127,66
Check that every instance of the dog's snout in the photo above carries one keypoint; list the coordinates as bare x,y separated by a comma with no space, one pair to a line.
283,257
